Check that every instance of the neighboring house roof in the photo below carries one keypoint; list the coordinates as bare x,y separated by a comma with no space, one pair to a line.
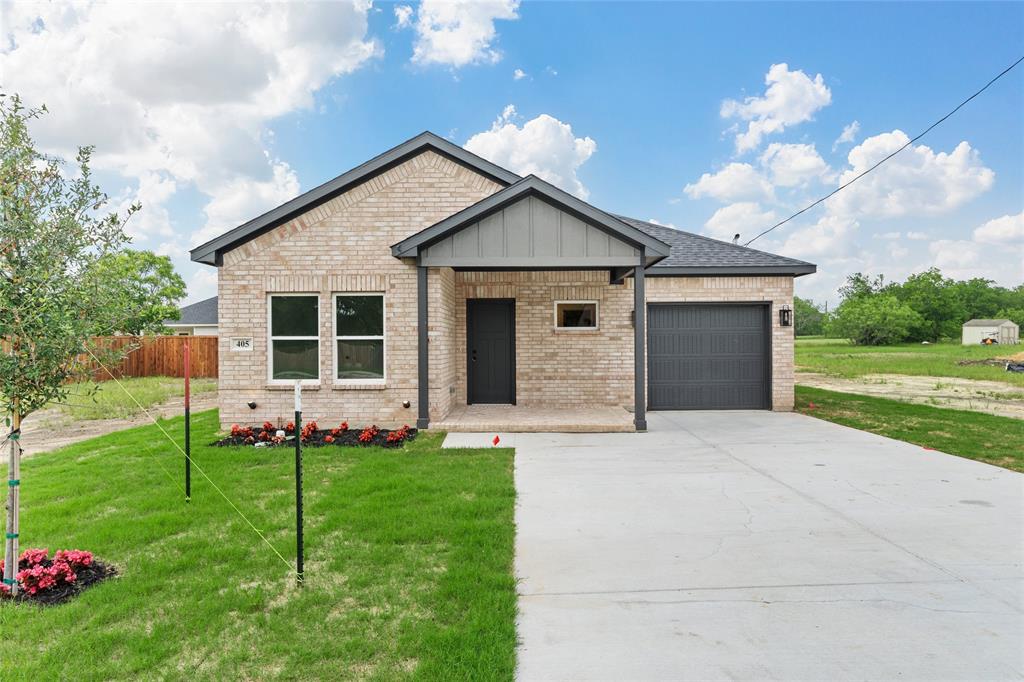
675,252
531,185
211,251
694,254
196,314
987,323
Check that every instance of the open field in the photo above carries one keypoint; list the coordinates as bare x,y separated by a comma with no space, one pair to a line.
837,357
107,400
982,437
408,563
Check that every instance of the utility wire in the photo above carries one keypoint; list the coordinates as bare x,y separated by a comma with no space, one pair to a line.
861,175
198,468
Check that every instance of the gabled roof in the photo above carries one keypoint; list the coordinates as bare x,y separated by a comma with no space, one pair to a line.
986,323
694,254
531,185
211,251
199,313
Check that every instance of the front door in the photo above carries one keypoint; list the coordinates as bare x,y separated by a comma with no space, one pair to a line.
491,350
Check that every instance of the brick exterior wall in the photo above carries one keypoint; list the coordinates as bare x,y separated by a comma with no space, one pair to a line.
778,290
344,246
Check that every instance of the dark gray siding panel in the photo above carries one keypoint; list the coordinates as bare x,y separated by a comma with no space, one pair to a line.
708,357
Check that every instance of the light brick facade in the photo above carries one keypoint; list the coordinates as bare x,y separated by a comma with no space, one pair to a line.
344,246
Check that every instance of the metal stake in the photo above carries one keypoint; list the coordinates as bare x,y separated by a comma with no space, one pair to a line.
188,424
298,481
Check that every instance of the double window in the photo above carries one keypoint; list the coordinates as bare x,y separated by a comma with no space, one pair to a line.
359,337
294,337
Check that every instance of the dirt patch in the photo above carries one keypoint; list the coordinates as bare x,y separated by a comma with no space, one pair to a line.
51,429
991,397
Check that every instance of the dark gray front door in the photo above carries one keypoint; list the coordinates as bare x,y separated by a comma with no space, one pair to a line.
490,350
708,357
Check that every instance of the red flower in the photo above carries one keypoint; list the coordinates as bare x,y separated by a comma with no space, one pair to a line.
344,426
328,438
289,427
75,558
33,557
267,426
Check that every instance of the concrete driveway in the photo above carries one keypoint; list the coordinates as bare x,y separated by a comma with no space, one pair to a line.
756,545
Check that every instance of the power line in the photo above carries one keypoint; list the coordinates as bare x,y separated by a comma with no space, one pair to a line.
861,175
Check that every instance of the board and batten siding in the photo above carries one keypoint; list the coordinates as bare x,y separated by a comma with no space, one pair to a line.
531,233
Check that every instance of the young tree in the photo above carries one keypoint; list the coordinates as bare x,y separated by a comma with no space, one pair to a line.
152,286
52,296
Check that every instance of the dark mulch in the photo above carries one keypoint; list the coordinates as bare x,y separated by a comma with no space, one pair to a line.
317,439
87,576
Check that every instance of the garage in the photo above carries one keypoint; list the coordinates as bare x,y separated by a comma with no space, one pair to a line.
708,356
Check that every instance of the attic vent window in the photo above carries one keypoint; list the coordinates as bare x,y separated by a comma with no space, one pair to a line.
575,314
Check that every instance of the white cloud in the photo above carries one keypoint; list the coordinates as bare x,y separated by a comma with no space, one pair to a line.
543,146
848,135
658,222
460,32
793,165
829,236
518,75
917,236
180,95
550,70
202,285
916,181
403,16
746,218
887,235
1006,230
245,198
791,97
735,182
953,254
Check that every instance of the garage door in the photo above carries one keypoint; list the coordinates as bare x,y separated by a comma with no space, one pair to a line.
707,357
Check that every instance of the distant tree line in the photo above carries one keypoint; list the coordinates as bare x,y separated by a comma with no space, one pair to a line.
926,307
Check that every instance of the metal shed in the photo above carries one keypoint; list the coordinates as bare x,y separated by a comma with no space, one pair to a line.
1001,331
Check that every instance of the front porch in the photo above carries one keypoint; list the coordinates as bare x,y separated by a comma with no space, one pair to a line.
522,419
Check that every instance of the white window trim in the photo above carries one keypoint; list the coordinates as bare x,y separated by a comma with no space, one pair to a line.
597,317
271,338
381,337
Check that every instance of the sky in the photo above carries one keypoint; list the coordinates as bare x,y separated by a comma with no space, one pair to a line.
712,118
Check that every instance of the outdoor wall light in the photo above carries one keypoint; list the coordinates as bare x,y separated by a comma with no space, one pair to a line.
785,316
251,404
406,404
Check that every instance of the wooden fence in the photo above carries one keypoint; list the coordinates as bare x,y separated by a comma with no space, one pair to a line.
158,356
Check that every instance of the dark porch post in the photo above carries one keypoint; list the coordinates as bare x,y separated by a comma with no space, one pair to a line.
423,400
639,335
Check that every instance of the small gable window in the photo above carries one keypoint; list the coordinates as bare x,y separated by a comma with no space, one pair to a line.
359,337
576,314
294,337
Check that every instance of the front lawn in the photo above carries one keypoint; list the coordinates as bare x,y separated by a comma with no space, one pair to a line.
983,437
408,563
107,400
837,357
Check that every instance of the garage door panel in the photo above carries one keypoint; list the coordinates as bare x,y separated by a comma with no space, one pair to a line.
707,357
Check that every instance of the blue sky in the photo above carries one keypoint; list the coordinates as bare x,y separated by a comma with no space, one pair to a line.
624,104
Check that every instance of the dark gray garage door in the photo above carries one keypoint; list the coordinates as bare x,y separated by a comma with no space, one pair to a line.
707,357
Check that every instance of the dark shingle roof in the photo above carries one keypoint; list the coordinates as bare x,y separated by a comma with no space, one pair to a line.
202,312
697,254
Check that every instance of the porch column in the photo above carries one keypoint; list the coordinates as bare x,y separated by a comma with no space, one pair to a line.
639,335
423,383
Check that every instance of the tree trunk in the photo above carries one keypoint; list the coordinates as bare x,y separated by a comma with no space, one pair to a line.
13,474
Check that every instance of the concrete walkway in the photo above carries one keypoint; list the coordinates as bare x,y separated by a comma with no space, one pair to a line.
755,545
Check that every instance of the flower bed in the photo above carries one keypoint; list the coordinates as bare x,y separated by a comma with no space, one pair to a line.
269,435
52,581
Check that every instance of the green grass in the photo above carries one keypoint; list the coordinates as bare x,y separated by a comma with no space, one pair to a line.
107,400
974,435
408,563
837,357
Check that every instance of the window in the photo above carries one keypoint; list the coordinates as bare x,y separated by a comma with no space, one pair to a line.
576,314
294,337
359,336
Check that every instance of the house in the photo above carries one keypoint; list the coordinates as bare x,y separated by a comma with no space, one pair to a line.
429,284
197,319
1000,331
